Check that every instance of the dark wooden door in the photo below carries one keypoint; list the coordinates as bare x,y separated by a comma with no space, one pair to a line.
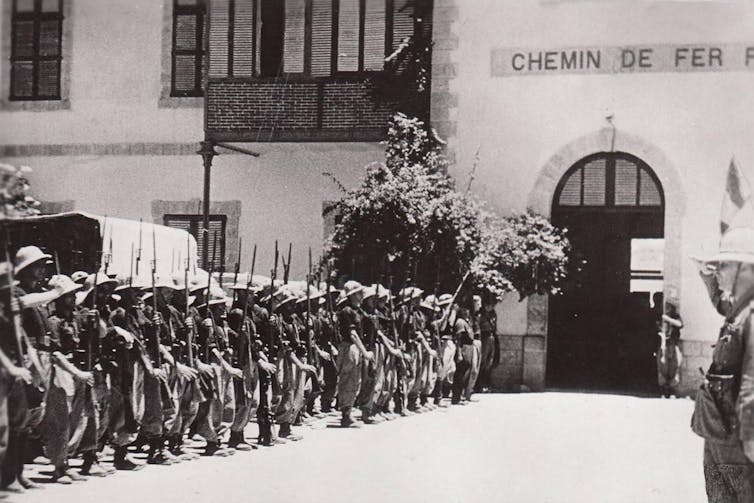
598,336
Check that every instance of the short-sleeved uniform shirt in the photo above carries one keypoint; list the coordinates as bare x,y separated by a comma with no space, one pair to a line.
349,319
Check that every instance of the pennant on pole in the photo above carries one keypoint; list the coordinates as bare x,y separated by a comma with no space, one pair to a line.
737,208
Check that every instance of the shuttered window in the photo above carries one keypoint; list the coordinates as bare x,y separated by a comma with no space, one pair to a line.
617,180
36,54
319,38
188,48
362,26
193,225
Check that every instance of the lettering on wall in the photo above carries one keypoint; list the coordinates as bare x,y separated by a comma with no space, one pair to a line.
630,59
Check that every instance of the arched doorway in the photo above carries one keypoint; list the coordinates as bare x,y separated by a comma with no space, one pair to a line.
600,331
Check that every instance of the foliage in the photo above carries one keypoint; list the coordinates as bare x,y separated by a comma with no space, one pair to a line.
406,220
15,195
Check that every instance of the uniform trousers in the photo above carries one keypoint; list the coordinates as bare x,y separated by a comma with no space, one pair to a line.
349,375
728,473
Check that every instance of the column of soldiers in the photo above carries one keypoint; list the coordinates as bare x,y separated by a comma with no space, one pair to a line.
93,365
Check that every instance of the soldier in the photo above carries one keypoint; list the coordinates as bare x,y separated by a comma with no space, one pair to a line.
12,376
60,419
724,411
390,354
476,351
159,401
669,356
351,349
412,321
448,349
183,375
490,350
216,415
97,349
248,358
291,370
463,336
25,403
133,365
429,341
329,339
369,370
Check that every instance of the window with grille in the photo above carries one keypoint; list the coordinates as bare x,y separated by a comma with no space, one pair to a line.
36,49
617,180
188,48
319,38
193,225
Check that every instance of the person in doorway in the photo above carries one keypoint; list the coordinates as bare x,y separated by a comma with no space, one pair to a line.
724,409
669,356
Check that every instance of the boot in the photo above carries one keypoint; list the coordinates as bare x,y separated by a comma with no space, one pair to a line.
346,421
215,449
238,442
156,454
91,466
175,446
285,432
121,461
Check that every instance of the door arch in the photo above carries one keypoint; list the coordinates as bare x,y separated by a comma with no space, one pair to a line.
600,331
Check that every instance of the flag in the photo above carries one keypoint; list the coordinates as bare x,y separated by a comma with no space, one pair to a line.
737,210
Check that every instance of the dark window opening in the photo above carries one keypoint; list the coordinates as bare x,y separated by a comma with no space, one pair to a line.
36,49
188,48
193,225
271,38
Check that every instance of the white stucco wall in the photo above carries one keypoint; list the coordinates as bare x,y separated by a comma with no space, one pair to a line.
116,55
697,120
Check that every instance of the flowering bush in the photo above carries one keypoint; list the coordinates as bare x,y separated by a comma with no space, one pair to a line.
14,192
407,220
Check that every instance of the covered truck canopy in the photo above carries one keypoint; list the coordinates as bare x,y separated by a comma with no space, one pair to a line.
85,242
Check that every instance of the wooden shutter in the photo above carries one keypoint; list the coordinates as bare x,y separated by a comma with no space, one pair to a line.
243,38
193,225
374,35
403,21
293,45
348,36
218,37
321,37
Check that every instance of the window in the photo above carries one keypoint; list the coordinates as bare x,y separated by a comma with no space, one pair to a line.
618,180
36,54
188,48
193,225
361,35
320,38
271,37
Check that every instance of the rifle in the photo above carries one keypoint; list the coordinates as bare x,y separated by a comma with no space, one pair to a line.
237,269
206,295
246,303
309,306
190,332
446,314
154,299
138,253
287,265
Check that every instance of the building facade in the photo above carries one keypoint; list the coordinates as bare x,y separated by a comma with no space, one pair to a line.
105,101
618,120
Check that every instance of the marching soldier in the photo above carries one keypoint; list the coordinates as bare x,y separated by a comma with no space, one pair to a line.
216,414
351,350
13,377
60,419
369,371
133,364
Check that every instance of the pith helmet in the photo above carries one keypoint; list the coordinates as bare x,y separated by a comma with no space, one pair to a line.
736,245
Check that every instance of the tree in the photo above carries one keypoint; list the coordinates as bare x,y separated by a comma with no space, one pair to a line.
407,220
15,190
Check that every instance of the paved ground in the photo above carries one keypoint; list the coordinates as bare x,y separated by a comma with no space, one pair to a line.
550,447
